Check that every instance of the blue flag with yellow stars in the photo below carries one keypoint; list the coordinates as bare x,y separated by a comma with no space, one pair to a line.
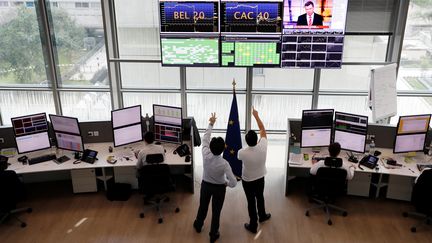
233,141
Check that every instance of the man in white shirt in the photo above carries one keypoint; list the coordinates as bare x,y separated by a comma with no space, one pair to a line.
334,150
217,175
310,18
254,170
148,148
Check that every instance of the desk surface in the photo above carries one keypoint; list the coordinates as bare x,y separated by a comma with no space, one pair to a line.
120,154
409,166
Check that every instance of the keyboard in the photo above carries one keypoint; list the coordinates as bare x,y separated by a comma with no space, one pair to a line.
41,159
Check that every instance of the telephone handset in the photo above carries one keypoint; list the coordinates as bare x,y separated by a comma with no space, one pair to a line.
89,156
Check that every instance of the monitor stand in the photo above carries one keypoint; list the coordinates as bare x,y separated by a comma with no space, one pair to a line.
316,149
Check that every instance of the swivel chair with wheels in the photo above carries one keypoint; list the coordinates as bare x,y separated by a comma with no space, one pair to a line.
330,182
422,199
154,181
11,191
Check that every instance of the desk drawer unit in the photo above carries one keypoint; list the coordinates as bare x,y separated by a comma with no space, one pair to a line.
84,180
360,184
400,187
126,175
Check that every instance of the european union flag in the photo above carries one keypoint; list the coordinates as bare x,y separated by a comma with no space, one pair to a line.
233,139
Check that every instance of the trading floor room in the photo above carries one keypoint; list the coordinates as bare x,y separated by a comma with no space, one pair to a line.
298,120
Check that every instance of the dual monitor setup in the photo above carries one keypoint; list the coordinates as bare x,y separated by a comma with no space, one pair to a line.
32,131
319,129
252,33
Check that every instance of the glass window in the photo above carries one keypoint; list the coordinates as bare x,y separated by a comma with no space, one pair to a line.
215,78
20,103
275,109
350,77
415,72
30,4
146,100
4,3
80,46
365,48
138,29
350,104
87,106
282,79
81,5
370,15
21,56
149,75
200,106
412,106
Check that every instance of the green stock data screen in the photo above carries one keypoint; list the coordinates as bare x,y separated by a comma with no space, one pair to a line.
190,51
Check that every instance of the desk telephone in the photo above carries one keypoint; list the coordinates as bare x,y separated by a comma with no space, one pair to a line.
369,161
89,156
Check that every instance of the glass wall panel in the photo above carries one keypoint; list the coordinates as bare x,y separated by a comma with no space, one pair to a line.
282,79
138,29
149,75
87,106
146,100
200,106
20,103
79,42
349,104
215,78
359,48
412,106
21,56
349,78
275,109
415,72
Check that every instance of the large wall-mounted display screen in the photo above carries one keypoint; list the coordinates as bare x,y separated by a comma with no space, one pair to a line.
313,33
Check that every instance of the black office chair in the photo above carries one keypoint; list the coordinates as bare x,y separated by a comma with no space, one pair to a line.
422,199
11,191
154,181
330,182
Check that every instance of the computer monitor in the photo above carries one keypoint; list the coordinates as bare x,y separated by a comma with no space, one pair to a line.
127,135
71,142
168,121
25,125
126,116
413,124
409,143
351,131
65,124
31,132
32,142
316,128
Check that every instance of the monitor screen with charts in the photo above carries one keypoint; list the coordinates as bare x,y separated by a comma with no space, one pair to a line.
168,123
409,143
351,131
316,128
127,135
65,124
126,116
413,124
30,124
32,142
69,142
315,137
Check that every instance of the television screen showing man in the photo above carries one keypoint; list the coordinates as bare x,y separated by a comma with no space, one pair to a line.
310,18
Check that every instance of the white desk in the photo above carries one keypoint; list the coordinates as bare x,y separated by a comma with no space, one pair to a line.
399,180
84,175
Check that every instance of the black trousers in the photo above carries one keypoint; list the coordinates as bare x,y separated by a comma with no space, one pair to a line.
254,191
217,194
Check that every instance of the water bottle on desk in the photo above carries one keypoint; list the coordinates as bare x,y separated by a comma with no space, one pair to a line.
372,146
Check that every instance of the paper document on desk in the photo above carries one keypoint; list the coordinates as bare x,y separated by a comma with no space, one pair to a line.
296,159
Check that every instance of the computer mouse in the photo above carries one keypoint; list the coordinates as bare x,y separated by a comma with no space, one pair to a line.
158,143
174,152
187,158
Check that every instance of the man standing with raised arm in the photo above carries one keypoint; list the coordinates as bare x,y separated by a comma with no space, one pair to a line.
254,170
217,176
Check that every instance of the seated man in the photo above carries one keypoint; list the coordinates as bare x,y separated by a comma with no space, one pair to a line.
13,181
334,150
148,148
